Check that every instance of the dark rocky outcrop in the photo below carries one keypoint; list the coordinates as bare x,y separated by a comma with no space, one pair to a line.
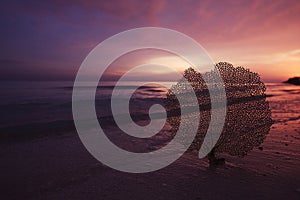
294,81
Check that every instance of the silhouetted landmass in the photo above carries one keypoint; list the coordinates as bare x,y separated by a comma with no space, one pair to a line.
294,81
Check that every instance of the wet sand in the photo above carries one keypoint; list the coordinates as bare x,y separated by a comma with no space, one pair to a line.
59,167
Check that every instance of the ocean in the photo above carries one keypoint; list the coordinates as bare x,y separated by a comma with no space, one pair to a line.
24,103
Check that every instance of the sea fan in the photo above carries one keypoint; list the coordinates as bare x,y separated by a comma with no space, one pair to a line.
248,119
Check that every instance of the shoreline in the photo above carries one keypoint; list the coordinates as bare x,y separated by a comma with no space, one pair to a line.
48,160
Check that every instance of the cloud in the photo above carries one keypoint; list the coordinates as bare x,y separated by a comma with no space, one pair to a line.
60,33
295,52
228,21
123,10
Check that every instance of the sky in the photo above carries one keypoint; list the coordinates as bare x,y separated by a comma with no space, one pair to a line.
48,40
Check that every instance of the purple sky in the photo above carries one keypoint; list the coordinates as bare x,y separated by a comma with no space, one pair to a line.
48,40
